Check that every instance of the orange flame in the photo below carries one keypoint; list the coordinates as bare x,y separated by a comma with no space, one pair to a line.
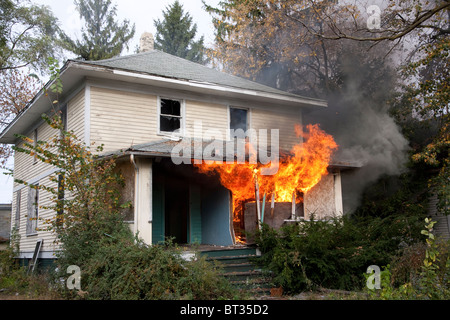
297,172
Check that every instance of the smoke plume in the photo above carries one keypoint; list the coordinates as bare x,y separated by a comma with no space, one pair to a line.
358,119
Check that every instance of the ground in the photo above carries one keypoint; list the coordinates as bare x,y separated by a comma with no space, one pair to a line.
324,294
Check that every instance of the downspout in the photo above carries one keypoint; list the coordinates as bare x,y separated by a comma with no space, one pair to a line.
136,190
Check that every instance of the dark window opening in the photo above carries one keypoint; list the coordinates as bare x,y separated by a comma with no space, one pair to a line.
170,115
238,120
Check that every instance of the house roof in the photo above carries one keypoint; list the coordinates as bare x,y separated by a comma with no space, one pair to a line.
5,206
159,63
186,148
158,69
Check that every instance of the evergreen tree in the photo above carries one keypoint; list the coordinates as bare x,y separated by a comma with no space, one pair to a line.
176,33
103,36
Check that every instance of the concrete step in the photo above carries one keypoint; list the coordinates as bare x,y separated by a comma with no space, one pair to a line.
234,259
229,252
239,268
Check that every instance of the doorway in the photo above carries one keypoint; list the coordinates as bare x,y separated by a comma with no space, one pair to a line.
176,205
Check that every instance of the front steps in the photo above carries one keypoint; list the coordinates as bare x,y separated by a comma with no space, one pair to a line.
239,268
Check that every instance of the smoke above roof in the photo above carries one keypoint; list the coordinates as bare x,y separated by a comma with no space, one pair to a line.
358,118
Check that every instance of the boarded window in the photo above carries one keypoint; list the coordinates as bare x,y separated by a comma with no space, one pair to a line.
170,115
238,120
17,217
32,210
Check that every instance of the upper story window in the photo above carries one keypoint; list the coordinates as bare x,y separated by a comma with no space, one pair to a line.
170,115
238,120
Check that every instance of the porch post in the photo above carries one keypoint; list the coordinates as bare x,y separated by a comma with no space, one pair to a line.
143,200
338,194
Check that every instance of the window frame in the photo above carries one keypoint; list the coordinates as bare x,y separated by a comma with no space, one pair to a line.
229,119
182,117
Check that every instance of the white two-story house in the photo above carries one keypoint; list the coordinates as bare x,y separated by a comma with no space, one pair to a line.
139,106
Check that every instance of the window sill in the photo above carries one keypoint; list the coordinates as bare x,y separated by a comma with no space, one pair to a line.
31,234
170,135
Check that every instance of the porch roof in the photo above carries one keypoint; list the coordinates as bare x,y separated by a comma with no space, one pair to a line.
187,150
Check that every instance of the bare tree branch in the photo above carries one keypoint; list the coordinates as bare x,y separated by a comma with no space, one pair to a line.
395,34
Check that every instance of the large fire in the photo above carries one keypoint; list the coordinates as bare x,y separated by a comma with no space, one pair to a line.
298,172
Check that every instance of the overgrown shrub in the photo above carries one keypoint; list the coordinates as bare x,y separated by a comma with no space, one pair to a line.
134,271
421,272
14,278
332,253
11,275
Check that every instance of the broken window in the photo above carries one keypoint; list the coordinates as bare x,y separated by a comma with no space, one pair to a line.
32,209
238,120
170,115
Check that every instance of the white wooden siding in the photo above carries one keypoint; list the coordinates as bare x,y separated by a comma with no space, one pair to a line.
282,118
120,119
28,242
25,169
75,115
442,227
210,115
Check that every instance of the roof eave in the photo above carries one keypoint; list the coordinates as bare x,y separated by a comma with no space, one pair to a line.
127,75
258,96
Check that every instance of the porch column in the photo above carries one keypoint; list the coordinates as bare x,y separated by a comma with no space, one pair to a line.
339,207
143,215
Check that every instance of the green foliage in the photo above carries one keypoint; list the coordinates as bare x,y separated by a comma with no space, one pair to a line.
175,34
103,36
332,253
127,270
28,35
427,96
429,279
12,276
393,195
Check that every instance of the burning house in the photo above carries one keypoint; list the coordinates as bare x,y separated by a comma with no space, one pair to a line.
181,135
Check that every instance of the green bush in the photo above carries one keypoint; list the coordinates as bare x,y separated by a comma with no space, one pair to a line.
129,271
421,272
332,253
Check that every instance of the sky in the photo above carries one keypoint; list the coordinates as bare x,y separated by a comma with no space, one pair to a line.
140,12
